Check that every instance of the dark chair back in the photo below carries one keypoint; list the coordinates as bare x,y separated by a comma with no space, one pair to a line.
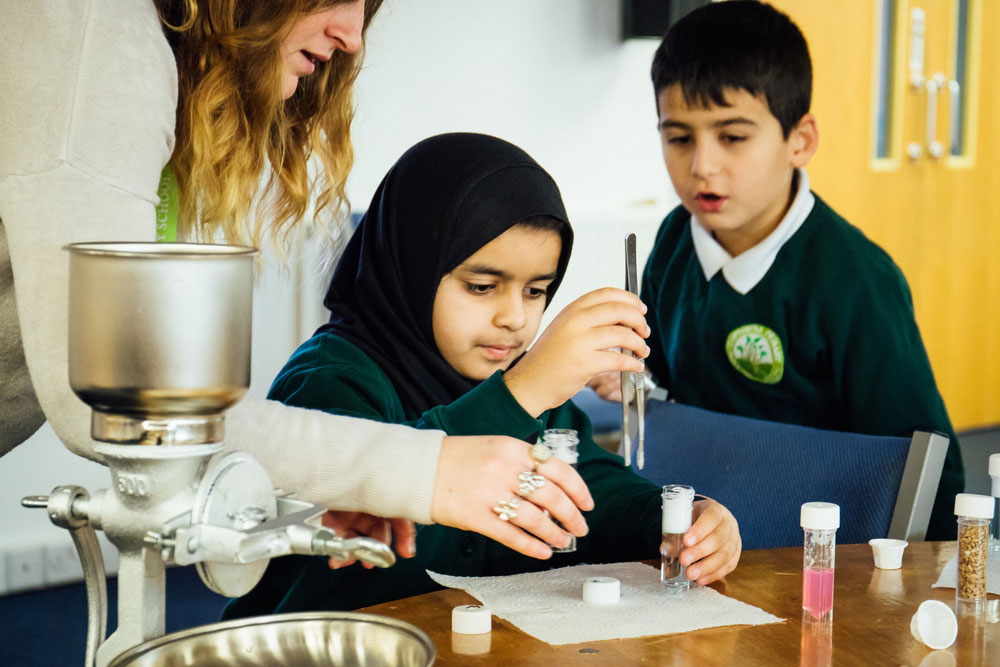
763,471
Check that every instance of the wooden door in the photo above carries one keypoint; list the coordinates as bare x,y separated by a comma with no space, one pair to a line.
909,135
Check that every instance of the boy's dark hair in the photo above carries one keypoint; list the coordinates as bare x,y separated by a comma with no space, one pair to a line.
741,44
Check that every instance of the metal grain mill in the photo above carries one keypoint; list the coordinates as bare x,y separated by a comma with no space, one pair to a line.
159,348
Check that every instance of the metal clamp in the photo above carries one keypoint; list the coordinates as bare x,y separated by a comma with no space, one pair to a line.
633,385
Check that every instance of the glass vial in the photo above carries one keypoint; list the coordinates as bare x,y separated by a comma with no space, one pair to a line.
995,491
678,504
819,522
563,443
974,513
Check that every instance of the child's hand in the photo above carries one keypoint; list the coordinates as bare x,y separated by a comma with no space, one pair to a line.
577,346
712,545
358,524
607,385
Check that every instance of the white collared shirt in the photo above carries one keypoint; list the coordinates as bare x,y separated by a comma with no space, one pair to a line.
744,271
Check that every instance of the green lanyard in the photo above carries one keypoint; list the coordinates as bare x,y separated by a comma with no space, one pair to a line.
166,210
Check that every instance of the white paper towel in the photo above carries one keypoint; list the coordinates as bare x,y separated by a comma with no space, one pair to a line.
949,575
549,605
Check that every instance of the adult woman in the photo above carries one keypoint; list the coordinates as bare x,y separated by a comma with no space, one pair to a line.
256,87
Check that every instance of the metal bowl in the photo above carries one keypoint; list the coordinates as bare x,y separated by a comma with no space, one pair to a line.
312,638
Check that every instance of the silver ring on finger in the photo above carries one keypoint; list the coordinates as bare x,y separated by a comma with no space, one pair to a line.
507,509
528,481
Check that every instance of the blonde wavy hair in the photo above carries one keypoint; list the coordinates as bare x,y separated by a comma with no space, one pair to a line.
232,123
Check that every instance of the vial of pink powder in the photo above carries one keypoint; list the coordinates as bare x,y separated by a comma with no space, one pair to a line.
820,522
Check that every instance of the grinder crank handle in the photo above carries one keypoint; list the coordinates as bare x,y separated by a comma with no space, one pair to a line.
67,508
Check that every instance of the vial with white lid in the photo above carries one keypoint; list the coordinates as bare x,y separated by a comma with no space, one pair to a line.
995,492
974,513
819,522
564,444
678,505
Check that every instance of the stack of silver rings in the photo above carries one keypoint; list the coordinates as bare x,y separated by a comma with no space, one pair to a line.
527,482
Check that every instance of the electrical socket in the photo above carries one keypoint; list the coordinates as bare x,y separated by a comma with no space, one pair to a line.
25,569
48,564
62,564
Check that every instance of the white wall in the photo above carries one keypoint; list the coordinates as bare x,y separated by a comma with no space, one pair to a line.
552,76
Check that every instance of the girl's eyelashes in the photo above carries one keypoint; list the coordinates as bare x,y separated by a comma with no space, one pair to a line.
484,289
479,288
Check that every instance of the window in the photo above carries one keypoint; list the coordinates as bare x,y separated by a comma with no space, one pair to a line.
958,84
885,63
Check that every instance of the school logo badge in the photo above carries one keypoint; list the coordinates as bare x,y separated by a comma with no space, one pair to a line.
755,351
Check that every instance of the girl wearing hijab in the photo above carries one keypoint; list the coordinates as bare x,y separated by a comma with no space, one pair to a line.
433,305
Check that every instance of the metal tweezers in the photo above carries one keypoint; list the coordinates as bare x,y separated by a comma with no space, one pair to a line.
636,381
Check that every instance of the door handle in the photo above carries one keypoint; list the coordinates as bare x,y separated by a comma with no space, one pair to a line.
934,86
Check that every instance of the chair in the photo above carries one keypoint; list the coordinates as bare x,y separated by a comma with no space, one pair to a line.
763,471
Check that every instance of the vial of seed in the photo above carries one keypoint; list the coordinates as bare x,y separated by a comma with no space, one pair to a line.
820,522
564,444
995,492
678,504
974,514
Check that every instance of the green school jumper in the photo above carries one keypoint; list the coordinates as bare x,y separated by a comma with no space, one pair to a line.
827,339
331,374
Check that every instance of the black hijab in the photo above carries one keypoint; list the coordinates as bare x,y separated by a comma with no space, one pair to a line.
442,201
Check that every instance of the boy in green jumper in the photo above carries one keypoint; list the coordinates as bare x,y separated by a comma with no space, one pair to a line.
762,300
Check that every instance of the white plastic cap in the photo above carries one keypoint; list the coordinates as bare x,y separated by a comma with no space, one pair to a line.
934,625
601,590
974,505
820,516
471,619
677,505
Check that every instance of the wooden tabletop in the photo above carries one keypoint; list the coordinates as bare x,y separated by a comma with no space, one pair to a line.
872,611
